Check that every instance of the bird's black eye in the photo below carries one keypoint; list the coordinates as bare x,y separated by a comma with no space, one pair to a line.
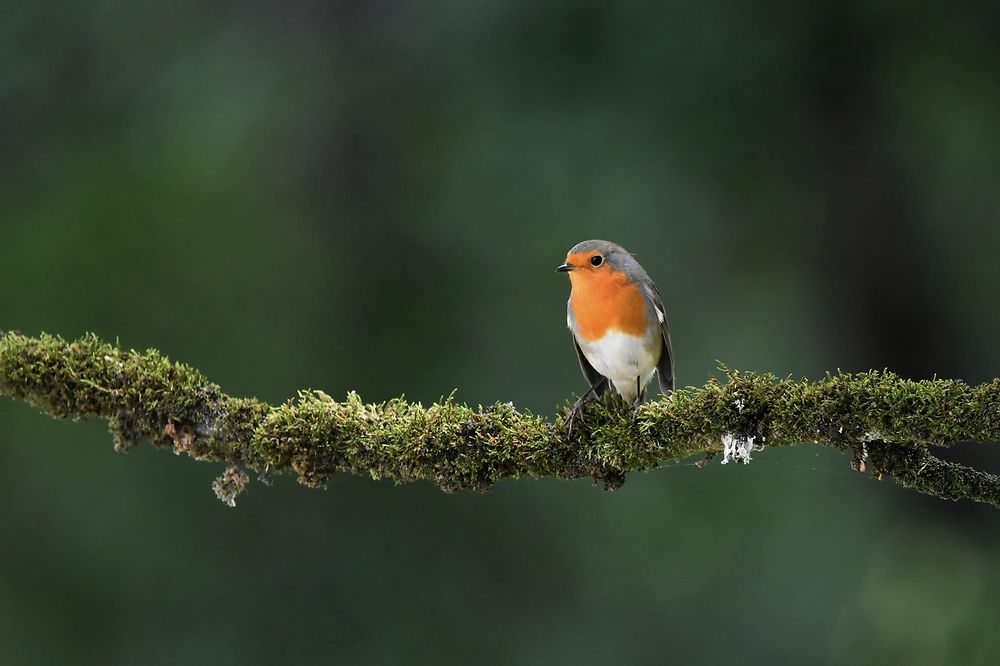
596,260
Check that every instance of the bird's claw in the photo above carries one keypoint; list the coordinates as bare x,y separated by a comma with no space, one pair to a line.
575,413
640,398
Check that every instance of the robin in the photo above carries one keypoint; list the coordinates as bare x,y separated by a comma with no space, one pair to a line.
618,322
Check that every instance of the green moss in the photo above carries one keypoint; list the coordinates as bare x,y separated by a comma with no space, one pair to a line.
143,395
139,394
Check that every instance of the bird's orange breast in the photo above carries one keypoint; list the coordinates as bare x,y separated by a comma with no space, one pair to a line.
606,301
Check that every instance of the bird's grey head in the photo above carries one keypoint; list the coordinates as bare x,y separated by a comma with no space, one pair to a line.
593,254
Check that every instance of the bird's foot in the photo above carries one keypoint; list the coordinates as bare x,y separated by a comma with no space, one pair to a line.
636,404
576,413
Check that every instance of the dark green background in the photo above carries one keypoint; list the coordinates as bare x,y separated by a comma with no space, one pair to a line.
372,196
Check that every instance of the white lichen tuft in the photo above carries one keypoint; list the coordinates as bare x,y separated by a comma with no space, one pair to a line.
871,436
736,448
739,404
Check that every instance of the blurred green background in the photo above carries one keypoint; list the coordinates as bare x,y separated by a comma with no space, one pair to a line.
372,196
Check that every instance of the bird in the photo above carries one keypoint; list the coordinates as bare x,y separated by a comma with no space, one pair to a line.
618,324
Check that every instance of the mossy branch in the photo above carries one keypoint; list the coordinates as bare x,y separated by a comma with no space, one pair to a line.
888,424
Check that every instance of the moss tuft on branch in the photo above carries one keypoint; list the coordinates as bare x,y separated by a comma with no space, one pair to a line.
889,424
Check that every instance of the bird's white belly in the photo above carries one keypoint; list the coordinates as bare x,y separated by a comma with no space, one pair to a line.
622,358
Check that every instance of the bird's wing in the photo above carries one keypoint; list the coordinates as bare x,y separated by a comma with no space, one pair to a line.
593,377
665,368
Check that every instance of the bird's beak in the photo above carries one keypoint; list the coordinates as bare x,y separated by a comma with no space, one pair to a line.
565,268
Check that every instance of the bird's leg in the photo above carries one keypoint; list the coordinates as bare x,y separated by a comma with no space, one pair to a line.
577,410
640,398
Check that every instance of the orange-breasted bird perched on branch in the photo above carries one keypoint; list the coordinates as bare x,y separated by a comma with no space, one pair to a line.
618,322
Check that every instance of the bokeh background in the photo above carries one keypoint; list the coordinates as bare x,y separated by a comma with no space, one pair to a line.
372,196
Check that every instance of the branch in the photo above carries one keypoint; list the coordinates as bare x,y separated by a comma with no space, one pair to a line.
889,424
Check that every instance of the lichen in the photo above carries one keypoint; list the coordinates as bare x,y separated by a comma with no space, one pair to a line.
230,484
737,449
